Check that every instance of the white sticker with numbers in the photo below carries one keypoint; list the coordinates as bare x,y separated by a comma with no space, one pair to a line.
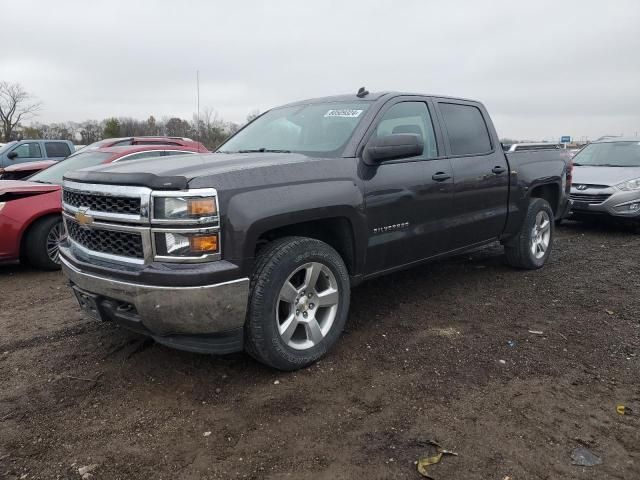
344,113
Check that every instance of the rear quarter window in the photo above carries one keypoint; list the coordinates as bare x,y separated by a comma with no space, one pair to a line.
466,129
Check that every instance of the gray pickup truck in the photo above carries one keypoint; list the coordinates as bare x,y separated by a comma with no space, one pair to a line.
22,151
257,245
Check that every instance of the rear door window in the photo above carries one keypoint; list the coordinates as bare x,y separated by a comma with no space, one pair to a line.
466,129
57,149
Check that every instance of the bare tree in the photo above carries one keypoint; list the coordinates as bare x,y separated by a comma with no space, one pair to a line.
15,105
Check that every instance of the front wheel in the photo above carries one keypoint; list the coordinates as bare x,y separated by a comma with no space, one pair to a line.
299,303
531,247
43,242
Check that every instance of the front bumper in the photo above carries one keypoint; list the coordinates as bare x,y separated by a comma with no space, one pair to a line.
619,204
204,318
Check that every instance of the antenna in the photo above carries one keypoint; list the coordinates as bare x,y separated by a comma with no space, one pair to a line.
198,101
362,92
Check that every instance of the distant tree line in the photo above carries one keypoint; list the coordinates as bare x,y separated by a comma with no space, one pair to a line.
209,129
16,106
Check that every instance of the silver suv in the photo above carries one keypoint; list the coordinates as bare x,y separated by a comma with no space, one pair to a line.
606,179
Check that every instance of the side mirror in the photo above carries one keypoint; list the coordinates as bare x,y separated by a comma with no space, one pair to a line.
12,155
392,147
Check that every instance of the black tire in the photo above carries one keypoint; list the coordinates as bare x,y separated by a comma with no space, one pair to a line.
277,262
518,250
36,243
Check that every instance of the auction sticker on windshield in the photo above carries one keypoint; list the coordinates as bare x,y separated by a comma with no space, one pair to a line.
344,113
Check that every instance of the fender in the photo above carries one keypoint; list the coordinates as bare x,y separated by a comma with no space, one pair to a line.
530,170
20,214
250,214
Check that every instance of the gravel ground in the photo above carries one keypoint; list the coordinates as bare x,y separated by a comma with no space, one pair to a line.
442,351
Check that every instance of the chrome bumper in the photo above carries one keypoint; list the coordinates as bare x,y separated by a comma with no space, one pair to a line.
201,310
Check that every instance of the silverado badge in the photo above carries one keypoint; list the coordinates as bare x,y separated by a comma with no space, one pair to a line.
82,218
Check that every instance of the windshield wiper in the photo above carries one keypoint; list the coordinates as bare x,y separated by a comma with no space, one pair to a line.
263,150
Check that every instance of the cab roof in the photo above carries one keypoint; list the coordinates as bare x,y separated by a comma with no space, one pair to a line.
370,97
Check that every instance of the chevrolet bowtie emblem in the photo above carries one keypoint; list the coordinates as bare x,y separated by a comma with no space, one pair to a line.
82,218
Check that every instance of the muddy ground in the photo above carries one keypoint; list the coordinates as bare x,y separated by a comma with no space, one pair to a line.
440,352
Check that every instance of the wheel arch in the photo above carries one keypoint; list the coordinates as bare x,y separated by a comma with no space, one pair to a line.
551,192
337,231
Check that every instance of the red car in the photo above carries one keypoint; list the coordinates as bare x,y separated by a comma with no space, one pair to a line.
30,221
22,170
124,141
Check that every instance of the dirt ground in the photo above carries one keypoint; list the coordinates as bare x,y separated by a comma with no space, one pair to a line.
440,352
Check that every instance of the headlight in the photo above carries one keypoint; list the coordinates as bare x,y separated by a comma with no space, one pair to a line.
629,185
186,244
185,226
184,208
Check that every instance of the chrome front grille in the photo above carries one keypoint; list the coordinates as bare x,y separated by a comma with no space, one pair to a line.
114,222
589,197
102,203
111,242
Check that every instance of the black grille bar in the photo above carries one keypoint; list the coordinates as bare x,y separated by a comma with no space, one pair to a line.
124,244
102,203
589,197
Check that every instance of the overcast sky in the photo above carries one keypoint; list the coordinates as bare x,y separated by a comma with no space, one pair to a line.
542,68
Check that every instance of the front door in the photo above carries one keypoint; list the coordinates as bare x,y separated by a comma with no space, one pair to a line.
481,175
24,152
408,200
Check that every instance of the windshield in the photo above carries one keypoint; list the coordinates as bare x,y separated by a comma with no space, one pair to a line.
609,154
314,129
55,172
6,147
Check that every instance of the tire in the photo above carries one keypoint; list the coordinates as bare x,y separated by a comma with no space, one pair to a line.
285,329
41,243
532,245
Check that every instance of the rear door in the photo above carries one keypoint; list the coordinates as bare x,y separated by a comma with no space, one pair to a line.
57,150
480,170
408,200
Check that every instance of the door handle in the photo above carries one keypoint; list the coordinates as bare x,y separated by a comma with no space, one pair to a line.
440,176
498,169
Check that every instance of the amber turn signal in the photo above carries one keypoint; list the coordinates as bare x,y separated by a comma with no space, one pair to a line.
204,244
201,207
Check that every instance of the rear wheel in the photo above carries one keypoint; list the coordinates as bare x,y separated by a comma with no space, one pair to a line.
532,245
42,243
299,303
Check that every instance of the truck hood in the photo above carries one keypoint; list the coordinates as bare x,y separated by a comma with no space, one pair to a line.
603,175
28,166
19,186
212,170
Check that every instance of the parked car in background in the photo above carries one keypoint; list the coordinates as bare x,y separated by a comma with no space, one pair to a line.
606,180
23,170
519,147
257,246
151,140
22,151
30,219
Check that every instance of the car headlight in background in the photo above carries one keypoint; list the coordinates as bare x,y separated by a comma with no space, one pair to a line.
184,208
629,185
186,244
